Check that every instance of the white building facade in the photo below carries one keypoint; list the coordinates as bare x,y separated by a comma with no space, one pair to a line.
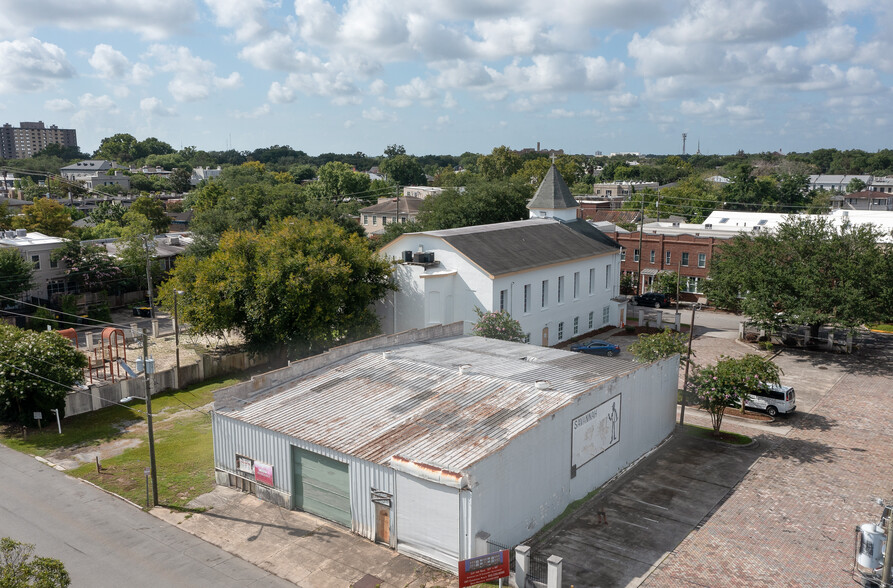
422,441
557,275
48,276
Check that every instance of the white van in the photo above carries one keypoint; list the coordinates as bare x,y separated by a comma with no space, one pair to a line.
774,399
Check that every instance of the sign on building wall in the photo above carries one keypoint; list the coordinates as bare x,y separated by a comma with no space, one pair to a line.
263,473
484,568
593,432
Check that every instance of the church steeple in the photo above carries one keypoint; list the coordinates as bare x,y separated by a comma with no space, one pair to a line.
553,198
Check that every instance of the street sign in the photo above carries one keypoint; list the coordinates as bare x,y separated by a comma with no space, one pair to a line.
38,415
147,471
484,568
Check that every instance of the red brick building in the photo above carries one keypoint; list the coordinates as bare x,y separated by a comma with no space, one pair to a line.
687,254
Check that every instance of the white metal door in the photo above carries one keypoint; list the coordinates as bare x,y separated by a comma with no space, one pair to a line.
428,521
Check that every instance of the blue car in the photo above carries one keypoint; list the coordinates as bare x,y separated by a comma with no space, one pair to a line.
597,347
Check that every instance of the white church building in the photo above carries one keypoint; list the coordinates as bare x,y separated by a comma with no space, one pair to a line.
557,275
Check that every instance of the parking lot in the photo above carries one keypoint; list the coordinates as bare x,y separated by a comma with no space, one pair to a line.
780,512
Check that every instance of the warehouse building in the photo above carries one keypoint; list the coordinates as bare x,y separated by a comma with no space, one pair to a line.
424,439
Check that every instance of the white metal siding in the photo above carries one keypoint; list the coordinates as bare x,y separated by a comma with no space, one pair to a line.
428,521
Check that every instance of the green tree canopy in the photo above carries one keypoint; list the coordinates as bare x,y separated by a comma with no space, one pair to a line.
339,179
297,283
88,266
45,216
651,348
729,381
498,325
153,211
15,273
19,569
501,164
807,272
25,356
481,203
404,170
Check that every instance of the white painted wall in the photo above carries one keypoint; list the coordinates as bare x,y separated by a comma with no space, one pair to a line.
443,298
527,484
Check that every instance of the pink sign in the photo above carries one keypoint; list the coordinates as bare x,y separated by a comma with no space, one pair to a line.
263,473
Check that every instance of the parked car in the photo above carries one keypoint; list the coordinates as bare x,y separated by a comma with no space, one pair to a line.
774,399
597,347
652,299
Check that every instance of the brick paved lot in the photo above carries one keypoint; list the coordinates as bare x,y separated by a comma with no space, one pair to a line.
790,521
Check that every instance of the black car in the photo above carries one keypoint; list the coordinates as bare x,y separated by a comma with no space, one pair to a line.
652,299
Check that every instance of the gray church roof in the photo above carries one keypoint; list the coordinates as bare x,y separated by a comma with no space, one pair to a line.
553,193
504,248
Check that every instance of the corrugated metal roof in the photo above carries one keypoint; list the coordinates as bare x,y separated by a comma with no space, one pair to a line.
414,402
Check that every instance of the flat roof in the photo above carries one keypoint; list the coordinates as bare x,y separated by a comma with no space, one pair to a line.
413,401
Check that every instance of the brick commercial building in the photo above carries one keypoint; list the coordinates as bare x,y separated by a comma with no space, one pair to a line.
688,253
30,138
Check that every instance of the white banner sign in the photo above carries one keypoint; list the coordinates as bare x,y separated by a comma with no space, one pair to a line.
594,432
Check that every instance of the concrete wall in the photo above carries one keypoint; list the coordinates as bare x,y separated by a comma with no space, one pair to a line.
527,484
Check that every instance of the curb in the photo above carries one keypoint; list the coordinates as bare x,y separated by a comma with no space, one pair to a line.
45,461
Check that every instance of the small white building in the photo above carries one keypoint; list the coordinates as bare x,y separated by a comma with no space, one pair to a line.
48,276
557,275
425,440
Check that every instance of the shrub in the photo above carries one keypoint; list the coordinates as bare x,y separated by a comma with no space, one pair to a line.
41,319
498,325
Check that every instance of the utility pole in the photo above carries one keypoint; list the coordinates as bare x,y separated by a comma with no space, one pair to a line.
149,276
147,375
684,137
641,230
691,332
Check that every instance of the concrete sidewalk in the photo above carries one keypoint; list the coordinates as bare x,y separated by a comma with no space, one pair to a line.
298,547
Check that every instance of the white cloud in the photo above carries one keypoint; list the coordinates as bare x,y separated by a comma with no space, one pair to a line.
59,105
278,52
262,110
280,94
449,101
443,120
30,65
623,101
193,77
109,62
154,106
322,83
102,104
245,16
150,19
377,115
378,87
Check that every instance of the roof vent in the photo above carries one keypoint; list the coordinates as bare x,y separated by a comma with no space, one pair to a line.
387,354
464,368
21,232
543,385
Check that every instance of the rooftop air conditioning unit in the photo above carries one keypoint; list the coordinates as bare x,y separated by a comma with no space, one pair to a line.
21,232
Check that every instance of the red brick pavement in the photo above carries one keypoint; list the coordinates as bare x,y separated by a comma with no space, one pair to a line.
791,520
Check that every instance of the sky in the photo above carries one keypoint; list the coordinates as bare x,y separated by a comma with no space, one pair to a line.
451,76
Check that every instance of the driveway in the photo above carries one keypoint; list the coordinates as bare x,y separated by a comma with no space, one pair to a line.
779,513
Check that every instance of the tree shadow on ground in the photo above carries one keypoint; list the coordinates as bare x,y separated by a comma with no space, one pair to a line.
798,450
814,422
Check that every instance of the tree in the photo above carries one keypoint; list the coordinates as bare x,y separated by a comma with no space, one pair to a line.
108,210
181,180
122,148
136,250
481,203
5,216
153,211
729,381
339,179
650,348
88,266
394,150
855,185
498,325
404,170
18,569
501,164
45,216
24,354
807,272
627,284
665,283
16,274
297,284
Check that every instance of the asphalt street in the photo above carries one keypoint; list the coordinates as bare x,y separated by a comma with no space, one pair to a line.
104,541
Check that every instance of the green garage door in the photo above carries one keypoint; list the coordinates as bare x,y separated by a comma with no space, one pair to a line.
321,486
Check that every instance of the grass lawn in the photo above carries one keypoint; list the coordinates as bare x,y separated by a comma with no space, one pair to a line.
183,447
724,436
884,328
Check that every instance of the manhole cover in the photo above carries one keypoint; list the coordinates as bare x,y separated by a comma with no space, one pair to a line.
368,581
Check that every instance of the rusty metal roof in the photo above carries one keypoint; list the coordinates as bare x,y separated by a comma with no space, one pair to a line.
445,402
